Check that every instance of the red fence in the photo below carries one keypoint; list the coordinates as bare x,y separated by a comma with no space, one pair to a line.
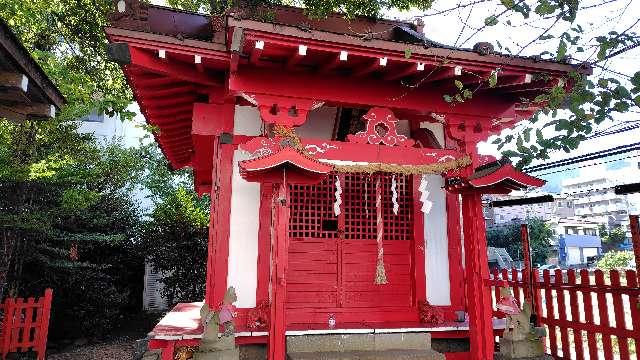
25,325
588,315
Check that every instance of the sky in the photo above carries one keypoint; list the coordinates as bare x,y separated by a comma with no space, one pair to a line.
458,28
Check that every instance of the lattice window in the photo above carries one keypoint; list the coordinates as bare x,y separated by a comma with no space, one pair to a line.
311,206
312,209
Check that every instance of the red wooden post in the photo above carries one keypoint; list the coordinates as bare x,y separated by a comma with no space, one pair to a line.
618,310
7,325
418,265
526,255
264,243
562,312
588,311
548,297
603,311
477,270
634,223
43,331
218,257
634,303
575,314
28,320
454,234
277,324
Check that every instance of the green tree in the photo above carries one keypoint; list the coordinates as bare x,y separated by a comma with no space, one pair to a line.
175,241
508,236
616,260
611,240
68,222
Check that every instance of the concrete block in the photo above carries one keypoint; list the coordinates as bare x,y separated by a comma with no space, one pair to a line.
404,341
152,355
369,355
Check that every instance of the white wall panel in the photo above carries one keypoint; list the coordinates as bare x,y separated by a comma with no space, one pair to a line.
243,241
436,244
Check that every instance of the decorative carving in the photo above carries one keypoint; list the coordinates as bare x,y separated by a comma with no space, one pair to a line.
261,146
381,128
430,314
258,317
130,14
283,110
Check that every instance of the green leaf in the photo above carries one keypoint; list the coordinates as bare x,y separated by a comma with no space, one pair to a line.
493,79
459,84
636,100
546,37
447,98
562,50
491,20
407,53
467,94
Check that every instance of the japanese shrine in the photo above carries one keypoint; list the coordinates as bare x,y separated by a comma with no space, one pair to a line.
343,170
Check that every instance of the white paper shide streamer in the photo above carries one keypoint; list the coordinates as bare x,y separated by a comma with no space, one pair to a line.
338,195
394,195
424,195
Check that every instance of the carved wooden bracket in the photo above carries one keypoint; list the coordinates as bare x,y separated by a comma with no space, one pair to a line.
381,128
281,110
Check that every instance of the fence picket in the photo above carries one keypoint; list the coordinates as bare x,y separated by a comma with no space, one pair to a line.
562,313
603,312
618,310
26,341
548,297
560,290
516,289
575,315
588,313
20,331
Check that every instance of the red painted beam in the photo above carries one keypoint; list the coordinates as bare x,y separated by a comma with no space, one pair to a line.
347,151
442,73
373,66
171,68
408,70
171,90
339,59
365,91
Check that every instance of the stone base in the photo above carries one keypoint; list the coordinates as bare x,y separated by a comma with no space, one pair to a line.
152,355
233,354
368,355
521,349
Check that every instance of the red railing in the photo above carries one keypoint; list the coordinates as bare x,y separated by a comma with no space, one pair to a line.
588,314
25,325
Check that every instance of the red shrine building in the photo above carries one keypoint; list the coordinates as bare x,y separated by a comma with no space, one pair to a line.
345,188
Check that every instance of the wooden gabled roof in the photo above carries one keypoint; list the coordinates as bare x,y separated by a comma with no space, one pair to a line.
25,89
173,59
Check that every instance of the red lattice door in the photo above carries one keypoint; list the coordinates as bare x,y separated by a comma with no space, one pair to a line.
332,259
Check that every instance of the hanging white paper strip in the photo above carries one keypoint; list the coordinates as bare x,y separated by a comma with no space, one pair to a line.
424,195
338,195
394,195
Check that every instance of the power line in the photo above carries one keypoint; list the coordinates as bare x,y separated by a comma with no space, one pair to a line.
586,157
593,164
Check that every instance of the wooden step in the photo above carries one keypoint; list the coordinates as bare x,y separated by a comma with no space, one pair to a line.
358,342
368,355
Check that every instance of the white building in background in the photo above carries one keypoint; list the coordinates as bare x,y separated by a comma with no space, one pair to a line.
595,199
562,206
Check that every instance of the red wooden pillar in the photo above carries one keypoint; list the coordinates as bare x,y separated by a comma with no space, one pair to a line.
454,234
218,249
280,250
477,270
634,223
